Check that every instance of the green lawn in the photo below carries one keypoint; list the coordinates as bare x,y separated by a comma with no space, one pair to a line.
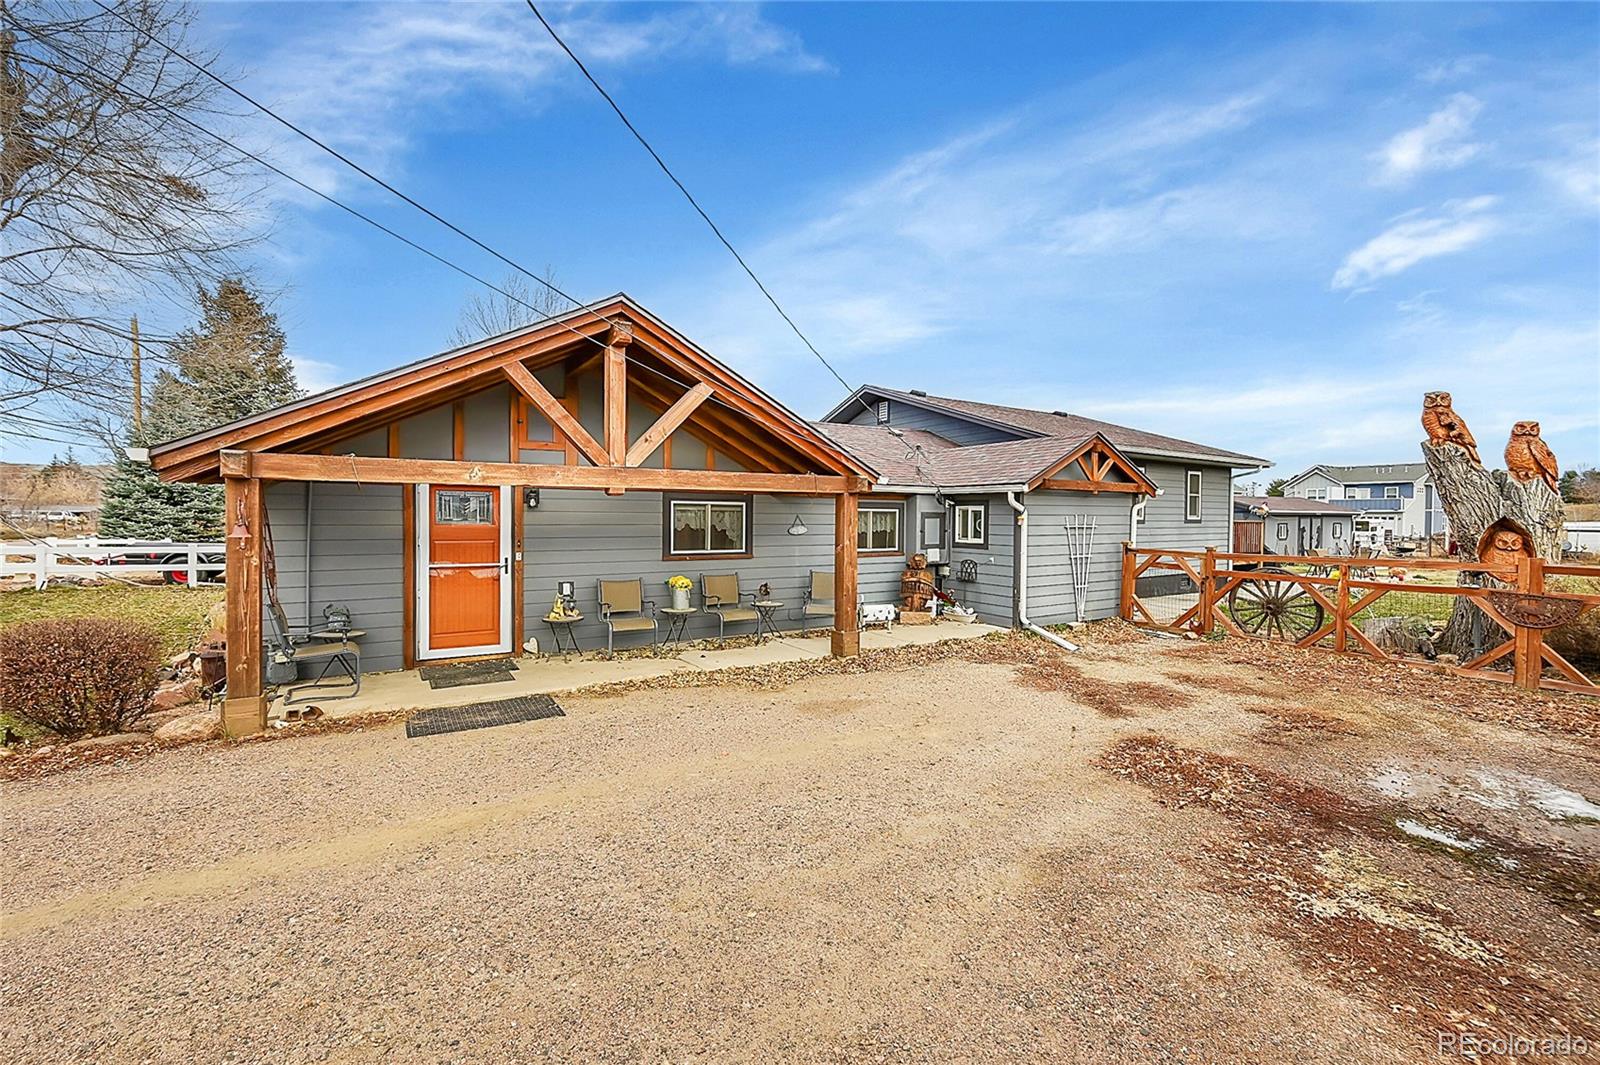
177,613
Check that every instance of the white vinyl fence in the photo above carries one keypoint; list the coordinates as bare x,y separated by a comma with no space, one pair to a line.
53,558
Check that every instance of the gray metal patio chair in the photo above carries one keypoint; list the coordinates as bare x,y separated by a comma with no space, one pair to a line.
622,608
338,653
720,595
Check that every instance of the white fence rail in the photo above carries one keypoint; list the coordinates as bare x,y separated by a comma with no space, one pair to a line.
54,558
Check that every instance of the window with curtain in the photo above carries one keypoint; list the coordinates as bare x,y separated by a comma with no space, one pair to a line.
879,529
709,527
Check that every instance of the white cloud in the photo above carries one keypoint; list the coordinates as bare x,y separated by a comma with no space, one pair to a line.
1459,225
1440,143
1577,176
316,375
1452,69
369,80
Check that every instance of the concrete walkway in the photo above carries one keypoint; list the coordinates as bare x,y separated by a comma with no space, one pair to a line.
406,690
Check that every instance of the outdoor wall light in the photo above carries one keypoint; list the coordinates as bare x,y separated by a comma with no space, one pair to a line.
798,528
530,498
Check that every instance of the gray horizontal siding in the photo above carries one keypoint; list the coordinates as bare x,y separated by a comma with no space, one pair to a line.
1051,597
903,415
991,594
357,560
585,537
1164,524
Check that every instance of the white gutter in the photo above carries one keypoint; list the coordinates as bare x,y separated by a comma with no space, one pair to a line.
1021,576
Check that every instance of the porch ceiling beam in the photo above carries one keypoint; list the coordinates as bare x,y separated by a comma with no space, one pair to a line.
1054,484
558,415
273,466
616,375
664,426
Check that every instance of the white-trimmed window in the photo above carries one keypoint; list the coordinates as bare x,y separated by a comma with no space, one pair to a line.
708,527
1191,495
1391,491
972,524
1352,493
879,529
1283,530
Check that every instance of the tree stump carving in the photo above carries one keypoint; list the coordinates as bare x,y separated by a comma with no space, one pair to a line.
1489,511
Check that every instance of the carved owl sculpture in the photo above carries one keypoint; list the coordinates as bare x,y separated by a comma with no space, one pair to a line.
1445,426
1528,456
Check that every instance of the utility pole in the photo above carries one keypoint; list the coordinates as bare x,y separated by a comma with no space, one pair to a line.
138,378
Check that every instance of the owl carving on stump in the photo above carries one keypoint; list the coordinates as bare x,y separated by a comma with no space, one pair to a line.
1445,426
1528,456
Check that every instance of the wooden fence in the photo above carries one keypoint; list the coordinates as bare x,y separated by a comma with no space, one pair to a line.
1261,597
52,558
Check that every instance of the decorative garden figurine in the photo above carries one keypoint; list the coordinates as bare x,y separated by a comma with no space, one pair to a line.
916,584
1528,456
1445,426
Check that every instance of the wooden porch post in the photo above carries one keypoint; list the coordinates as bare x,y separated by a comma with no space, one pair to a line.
1129,563
846,621
1528,666
245,709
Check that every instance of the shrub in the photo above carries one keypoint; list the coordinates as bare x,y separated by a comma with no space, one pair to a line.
79,676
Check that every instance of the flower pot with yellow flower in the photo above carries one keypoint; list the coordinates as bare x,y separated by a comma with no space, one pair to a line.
680,586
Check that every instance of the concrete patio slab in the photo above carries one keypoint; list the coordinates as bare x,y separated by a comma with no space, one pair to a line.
406,690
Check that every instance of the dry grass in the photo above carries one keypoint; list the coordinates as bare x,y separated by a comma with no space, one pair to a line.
1320,865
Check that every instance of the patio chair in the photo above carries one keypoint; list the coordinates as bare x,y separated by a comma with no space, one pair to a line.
818,599
294,646
622,608
720,595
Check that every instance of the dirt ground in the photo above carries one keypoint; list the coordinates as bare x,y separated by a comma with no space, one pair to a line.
1151,851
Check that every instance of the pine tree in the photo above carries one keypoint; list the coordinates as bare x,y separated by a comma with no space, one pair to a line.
230,366
1569,486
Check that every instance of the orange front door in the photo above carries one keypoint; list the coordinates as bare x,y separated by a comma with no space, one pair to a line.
466,569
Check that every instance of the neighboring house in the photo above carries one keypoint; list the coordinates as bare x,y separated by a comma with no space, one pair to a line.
1392,500
1291,526
447,502
960,464
1583,536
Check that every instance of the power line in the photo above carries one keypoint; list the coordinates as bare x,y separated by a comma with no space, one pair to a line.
665,169
369,175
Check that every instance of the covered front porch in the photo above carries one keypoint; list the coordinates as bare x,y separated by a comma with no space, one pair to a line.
551,674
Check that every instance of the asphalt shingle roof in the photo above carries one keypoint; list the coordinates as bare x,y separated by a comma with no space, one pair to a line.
1290,505
1071,427
921,457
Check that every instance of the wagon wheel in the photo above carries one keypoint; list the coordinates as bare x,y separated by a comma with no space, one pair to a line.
1274,610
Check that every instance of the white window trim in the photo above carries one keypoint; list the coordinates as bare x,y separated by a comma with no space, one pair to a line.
1194,484
672,527
1391,491
983,511
424,586
896,547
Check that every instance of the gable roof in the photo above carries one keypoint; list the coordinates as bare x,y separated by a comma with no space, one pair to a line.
917,457
1058,424
397,392
1378,472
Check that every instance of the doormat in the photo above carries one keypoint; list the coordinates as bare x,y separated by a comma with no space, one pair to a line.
482,715
465,673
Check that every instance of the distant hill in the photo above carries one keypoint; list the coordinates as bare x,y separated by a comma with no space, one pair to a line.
26,486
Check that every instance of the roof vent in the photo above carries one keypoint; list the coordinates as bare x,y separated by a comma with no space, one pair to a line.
1061,414
919,392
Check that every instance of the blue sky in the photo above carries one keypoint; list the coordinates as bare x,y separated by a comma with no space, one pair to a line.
1270,228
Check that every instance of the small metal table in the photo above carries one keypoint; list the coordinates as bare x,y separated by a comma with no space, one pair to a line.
560,626
766,610
677,622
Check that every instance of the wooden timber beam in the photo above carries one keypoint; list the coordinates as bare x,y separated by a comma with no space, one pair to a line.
664,426
616,373
555,412
846,642
1057,485
721,431
244,710
273,466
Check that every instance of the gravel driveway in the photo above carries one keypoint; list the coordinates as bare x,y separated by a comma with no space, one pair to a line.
962,861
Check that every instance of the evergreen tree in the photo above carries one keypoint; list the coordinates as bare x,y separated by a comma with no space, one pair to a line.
1276,487
1569,486
230,366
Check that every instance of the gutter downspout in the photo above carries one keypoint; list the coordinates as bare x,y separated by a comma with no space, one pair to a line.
1020,579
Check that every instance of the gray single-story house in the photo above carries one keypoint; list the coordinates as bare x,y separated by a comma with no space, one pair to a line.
447,502
1294,526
